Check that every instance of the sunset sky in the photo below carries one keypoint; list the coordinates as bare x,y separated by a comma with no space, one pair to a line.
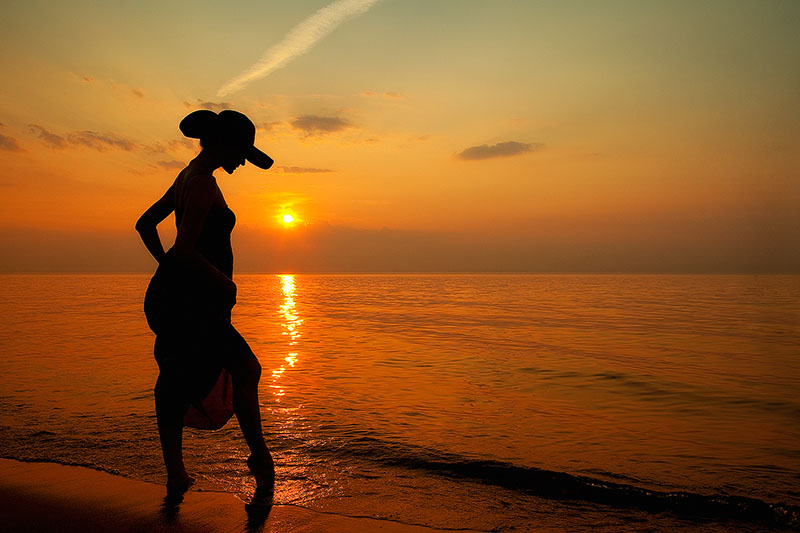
418,135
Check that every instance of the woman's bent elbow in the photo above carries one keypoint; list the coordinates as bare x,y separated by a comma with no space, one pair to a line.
141,225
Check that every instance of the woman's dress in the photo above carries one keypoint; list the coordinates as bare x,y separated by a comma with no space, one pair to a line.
195,340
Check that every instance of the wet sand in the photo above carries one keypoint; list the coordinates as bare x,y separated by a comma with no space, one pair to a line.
53,497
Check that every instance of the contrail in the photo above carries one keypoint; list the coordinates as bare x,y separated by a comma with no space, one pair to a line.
299,41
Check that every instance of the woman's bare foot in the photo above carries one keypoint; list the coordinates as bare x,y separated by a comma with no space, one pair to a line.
261,504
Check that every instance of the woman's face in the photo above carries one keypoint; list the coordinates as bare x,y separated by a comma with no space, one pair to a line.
233,157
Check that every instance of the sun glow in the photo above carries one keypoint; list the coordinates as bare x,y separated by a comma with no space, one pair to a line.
287,219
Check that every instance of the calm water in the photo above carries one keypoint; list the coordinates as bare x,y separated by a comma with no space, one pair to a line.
474,401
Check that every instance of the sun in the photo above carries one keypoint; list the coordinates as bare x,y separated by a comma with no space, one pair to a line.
287,219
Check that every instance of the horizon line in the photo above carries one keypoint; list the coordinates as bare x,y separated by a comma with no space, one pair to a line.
426,272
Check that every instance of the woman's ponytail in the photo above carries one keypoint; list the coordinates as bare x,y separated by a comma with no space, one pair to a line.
202,124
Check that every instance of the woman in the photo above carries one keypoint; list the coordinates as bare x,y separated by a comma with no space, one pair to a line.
201,356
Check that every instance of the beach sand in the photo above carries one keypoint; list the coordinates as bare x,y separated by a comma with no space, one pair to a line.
52,497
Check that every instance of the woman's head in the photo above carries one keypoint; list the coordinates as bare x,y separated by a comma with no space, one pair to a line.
228,133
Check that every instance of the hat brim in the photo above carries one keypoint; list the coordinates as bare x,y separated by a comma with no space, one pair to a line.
259,158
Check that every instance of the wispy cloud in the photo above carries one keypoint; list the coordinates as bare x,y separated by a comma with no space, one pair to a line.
101,141
504,149
49,138
298,41
171,164
268,126
387,94
9,144
315,124
302,170
211,106
87,139
112,86
172,146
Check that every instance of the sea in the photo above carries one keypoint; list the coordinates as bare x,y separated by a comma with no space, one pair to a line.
487,402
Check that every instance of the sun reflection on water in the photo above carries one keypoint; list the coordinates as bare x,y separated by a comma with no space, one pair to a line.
293,484
290,323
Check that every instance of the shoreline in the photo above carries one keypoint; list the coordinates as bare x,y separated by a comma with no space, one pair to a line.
41,496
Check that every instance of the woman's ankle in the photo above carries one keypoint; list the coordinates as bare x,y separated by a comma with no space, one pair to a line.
177,476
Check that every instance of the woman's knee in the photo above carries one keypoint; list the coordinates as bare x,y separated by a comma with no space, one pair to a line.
160,391
246,373
168,402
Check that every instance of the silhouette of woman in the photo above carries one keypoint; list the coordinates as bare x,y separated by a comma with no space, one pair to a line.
207,371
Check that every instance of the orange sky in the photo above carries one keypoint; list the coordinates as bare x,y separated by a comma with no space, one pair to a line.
450,135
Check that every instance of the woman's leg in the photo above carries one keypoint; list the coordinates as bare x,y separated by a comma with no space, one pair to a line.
170,409
246,374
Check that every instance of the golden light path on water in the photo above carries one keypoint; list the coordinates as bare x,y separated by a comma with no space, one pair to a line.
290,423
291,327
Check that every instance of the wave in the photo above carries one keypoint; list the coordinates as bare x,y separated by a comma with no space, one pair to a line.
533,481
63,462
562,485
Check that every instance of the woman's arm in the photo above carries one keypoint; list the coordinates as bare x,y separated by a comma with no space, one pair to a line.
146,225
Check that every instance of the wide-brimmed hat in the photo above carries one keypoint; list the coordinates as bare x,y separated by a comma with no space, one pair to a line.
227,125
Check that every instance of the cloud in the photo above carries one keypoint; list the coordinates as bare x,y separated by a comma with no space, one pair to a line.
112,86
87,139
314,124
211,106
298,41
101,141
48,138
302,170
171,164
268,126
504,149
172,146
9,144
388,94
